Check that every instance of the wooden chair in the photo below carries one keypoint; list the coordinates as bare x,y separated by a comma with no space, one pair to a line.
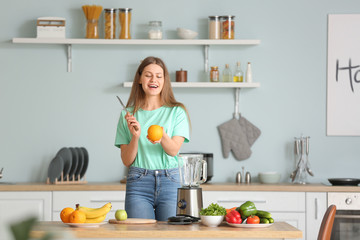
327,223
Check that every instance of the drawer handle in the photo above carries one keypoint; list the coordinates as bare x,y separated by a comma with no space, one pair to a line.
107,200
236,201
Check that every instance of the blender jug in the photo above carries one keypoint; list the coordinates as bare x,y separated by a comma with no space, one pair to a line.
192,169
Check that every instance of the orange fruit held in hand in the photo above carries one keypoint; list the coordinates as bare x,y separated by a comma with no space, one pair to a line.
155,132
77,216
65,214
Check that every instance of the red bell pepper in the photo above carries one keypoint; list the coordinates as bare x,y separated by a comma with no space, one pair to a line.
233,217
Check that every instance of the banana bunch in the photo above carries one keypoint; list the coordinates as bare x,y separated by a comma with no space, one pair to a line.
95,215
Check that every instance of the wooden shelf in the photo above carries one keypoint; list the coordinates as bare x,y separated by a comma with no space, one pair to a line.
208,84
166,42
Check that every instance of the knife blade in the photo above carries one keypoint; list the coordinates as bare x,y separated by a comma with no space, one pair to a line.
122,104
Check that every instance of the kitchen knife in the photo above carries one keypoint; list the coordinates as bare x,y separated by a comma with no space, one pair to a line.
122,104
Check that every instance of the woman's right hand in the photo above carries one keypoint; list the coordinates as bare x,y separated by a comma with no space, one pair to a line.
133,125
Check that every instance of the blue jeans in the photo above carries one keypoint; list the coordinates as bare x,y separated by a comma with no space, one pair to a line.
151,194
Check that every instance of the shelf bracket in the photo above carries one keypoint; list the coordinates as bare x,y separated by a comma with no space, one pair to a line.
206,56
69,57
236,112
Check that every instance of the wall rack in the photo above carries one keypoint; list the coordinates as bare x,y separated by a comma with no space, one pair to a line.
70,41
208,84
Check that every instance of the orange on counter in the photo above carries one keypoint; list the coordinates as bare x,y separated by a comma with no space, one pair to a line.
77,216
65,214
155,132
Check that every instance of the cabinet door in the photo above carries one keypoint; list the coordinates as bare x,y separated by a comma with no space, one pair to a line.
18,206
316,205
93,199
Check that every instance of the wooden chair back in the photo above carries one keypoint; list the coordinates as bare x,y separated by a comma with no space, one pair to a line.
327,223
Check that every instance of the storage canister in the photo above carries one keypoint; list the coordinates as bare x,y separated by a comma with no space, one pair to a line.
155,30
214,27
110,23
214,74
227,27
125,20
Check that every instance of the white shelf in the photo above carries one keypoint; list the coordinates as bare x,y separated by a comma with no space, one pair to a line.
208,84
135,41
166,42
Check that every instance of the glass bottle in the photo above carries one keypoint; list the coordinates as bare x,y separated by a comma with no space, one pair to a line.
226,75
125,20
248,77
214,74
214,27
227,27
155,30
110,23
238,74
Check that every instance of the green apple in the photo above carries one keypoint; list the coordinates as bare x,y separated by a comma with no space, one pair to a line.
120,215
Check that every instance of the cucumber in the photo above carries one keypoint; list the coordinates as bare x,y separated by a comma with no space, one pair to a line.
271,220
264,220
263,214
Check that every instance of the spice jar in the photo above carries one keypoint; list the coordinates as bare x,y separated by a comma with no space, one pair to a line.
181,76
227,27
110,23
155,30
214,27
214,74
125,20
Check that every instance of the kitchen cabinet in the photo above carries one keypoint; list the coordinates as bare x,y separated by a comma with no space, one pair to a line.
18,206
206,43
316,206
284,206
93,199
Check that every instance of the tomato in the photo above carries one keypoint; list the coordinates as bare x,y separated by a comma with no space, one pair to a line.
253,219
233,217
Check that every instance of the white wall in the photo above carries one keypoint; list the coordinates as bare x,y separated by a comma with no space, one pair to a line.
44,108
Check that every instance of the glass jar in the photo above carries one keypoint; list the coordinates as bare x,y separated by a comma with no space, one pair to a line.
227,27
92,30
155,30
125,20
214,74
214,27
110,23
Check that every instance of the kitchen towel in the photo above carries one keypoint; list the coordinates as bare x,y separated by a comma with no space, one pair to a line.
238,136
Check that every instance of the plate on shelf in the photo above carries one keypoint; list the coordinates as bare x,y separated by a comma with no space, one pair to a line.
85,225
80,163
260,225
56,166
74,162
65,154
86,161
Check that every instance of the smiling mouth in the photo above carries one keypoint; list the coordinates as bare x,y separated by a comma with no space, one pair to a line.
153,86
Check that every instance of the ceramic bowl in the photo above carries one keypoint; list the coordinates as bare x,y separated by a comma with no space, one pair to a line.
186,33
211,221
269,177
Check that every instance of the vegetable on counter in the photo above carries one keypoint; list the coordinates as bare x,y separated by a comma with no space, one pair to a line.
247,209
253,219
233,217
213,209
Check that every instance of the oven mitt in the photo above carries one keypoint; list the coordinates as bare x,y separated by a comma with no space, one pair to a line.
234,138
252,132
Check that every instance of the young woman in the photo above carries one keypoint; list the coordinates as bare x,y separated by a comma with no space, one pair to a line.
153,176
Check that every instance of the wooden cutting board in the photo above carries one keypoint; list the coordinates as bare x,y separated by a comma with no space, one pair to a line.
133,221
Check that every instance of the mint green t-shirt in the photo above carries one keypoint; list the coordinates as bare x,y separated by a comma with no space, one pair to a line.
175,122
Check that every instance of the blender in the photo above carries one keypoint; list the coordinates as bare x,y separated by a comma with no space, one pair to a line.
193,172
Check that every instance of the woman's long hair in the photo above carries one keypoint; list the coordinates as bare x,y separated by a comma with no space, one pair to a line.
137,95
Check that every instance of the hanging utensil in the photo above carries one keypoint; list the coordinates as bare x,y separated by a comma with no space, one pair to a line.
307,158
122,104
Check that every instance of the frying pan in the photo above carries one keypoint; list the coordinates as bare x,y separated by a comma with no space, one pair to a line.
344,181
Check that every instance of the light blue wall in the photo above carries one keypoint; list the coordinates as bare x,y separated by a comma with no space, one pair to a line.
44,108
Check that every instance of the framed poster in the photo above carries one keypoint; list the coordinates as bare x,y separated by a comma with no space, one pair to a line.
343,75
